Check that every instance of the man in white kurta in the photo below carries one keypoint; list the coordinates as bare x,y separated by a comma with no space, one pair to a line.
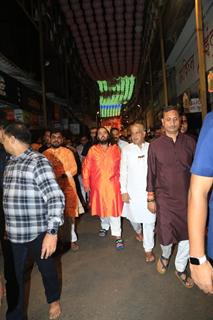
133,172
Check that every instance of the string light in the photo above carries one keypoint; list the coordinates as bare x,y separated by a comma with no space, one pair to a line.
114,94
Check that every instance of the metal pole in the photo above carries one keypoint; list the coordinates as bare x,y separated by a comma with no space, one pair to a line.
201,56
41,47
163,64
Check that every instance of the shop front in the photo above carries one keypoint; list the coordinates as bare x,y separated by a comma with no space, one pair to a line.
184,58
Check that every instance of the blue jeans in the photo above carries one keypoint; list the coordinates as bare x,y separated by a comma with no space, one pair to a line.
46,267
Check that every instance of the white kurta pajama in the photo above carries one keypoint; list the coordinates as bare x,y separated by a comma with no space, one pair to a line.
133,173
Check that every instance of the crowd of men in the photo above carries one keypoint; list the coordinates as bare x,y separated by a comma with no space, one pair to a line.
45,187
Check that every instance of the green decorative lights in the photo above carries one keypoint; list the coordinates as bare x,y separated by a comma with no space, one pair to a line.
114,94
110,111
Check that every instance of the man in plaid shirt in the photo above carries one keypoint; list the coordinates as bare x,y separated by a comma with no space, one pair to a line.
33,205
9,278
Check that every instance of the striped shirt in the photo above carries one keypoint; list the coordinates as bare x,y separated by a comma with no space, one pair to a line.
32,200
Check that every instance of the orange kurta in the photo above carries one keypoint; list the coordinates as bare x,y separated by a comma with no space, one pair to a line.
64,166
101,171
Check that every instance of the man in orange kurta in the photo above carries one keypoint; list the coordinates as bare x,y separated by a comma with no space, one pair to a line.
64,166
101,170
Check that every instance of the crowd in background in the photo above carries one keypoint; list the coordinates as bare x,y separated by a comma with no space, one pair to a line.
118,173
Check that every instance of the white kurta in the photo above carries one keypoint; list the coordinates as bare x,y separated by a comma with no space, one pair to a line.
122,144
133,172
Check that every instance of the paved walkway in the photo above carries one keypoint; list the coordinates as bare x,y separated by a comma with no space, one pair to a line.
102,284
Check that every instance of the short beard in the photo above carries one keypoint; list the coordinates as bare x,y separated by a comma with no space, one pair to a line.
55,147
103,142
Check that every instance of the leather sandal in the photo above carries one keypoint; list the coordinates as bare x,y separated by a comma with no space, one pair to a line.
185,279
162,265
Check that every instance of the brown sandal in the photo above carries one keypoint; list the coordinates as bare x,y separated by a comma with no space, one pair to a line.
185,279
162,265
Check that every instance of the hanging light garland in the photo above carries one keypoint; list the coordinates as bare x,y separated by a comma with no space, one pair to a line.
113,95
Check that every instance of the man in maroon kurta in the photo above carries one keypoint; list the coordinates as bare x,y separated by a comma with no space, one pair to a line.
169,161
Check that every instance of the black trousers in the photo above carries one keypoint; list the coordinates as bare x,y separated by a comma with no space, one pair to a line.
10,278
46,267
9,268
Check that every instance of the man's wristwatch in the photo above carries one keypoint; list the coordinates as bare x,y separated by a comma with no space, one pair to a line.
197,261
52,232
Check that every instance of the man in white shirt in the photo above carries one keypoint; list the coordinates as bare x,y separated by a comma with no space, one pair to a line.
133,172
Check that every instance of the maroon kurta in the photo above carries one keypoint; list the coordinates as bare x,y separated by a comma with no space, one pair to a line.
169,176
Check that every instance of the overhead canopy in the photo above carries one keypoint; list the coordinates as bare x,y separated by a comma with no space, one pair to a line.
108,35
89,45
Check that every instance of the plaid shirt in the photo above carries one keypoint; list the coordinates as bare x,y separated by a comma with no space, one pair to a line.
32,199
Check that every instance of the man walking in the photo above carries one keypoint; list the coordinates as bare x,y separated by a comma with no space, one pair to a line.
33,205
65,167
133,173
101,171
169,161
